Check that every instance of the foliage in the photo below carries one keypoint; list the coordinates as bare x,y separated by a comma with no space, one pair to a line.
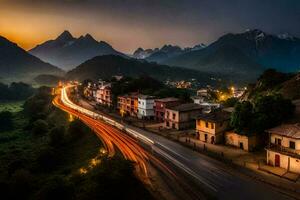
6,120
15,91
149,86
76,129
21,184
57,136
264,113
40,127
230,102
242,116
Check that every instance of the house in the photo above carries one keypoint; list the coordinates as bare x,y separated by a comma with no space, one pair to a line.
284,147
211,126
182,116
202,92
128,104
160,106
242,141
104,95
145,107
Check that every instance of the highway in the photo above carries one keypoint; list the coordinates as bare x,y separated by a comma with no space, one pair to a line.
217,178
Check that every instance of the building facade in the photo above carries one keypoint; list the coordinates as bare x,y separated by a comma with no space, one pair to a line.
244,142
128,104
104,95
160,107
211,126
284,147
145,107
182,116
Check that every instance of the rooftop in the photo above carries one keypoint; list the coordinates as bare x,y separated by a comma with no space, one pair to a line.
142,96
215,116
168,99
288,130
186,107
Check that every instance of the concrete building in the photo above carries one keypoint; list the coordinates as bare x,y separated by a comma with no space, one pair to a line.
284,147
128,104
160,107
182,116
145,107
211,126
104,95
244,142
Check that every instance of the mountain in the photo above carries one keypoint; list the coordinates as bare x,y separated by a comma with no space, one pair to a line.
274,82
257,51
67,52
165,52
16,64
105,67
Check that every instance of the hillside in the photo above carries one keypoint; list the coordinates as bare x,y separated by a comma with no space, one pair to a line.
274,82
110,65
68,52
253,51
16,64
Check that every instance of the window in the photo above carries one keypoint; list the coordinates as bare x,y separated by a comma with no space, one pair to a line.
292,145
168,114
173,126
278,141
206,124
174,115
212,125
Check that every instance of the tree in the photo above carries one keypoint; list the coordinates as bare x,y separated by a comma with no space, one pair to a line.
230,102
47,159
241,118
57,136
40,127
6,120
271,110
21,184
76,129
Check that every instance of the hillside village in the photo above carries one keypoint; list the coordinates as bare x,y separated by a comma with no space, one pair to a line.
224,121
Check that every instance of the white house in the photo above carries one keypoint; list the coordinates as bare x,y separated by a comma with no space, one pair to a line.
145,107
284,147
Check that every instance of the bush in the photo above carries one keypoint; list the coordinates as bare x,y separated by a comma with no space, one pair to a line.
6,120
21,184
57,136
56,188
48,159
76,129
40,127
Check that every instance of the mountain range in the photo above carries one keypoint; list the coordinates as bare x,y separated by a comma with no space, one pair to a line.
68,52
106,66
163,53
17,64
253,51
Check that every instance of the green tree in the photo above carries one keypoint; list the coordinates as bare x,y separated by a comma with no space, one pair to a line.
241,118
57,136
230,102
40,127
6,120
21,184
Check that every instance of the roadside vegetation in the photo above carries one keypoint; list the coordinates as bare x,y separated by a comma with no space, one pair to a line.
43,155
261,114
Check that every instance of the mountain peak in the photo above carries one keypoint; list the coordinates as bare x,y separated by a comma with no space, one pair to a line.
285,36
65,36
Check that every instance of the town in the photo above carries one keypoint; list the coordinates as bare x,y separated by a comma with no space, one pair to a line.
211,120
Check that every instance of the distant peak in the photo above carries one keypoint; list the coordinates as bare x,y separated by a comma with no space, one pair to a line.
65,36
88,36
285,36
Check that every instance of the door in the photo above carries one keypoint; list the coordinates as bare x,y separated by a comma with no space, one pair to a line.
212,139
241,145
205,137
277,160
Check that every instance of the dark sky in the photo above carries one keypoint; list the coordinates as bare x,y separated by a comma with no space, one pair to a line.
128,24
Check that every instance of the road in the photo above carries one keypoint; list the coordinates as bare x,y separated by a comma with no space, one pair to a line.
216,177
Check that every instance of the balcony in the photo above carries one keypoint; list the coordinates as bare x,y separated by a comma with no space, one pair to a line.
284,150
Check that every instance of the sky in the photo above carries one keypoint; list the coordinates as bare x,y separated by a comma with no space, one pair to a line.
129,24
